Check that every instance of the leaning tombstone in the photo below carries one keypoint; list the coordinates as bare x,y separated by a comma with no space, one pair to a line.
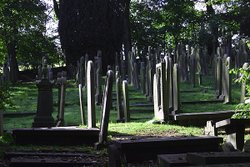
98,94
83,118
91,95
106,106
43,116
62,80
125,101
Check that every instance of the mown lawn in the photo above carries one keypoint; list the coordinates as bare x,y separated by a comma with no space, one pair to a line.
24,97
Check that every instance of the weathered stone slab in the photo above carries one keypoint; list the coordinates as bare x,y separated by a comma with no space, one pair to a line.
200,118
218,158
235,130
56,136
172,160
148,149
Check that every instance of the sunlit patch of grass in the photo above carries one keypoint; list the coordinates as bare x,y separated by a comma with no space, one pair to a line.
145,129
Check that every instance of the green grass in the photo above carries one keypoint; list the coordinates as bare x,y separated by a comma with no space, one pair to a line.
24,99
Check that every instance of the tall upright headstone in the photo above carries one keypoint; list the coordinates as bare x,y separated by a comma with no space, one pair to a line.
143,78
218,73
176,89
61,82
86,59
193,67
161,93
227,80
125,101
170,78
44,111
91,95
98,72
106,106
120,113
81,104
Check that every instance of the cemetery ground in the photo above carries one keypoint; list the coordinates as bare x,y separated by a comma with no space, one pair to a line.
21,112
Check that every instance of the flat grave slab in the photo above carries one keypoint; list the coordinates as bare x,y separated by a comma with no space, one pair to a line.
56,136
148,149
218,158
172,160
200,118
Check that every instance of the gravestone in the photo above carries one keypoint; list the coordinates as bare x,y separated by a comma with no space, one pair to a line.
170,78
193,67
125,101
150,75
61,82
120,113
158,115
243,85
227,80
44,111
218,73
98,95
106,106
161,92
176,89
86,59
198,65
91,95
81,71
143,78
82,111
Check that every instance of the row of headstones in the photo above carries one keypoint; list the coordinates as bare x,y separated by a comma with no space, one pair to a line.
45,97
81,75
92,81
140,75
122,99
223,78
166,89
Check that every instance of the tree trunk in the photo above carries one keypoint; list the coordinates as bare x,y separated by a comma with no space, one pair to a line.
88,26
11,46
126,32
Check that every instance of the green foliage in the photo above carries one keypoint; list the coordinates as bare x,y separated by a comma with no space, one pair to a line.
24,24
242,109
157,23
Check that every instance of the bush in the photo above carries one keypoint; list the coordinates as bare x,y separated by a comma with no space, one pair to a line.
242,109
